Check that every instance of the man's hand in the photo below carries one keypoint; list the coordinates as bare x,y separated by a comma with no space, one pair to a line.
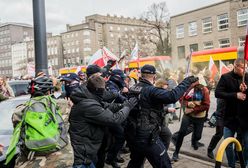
125,90
130,103
192,79
191,104
188,110
1,149
171,110
241,96
243,87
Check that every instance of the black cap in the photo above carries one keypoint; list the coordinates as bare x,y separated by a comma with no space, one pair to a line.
70,77
92,69
149,69
118,72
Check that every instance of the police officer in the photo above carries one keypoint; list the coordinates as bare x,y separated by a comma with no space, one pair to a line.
145,121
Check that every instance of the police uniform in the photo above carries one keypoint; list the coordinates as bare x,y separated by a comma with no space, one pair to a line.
145,121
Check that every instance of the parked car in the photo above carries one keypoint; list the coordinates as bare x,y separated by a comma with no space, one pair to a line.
20,87
7,108
62,158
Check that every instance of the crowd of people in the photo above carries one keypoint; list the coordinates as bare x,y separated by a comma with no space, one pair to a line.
112,112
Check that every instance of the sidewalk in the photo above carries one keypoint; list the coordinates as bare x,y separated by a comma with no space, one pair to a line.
184,162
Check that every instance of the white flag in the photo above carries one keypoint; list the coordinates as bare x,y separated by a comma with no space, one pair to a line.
135,52
223,68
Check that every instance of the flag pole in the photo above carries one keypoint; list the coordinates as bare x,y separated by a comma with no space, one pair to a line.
245,52
186,75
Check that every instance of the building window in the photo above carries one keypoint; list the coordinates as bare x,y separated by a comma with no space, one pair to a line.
192,29
224,43
242,41
125,29
111,35
242,17
118,28
180,31
181,51
193,47
87,41
111,28
86,33
208,45
223,22
87,49
207,25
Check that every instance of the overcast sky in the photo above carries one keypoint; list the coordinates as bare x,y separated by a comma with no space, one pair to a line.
62,12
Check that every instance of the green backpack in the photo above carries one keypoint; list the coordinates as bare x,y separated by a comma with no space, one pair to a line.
41,128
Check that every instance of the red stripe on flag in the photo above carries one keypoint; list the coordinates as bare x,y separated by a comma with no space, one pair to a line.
246,48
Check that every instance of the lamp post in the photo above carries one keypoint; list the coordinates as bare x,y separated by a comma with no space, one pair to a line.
39,20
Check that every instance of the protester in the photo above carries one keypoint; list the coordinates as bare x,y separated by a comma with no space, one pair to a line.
5,90
195,103
72,81
29,135
234,91
82,77
142,130
165,133
88,118
219,127
116,84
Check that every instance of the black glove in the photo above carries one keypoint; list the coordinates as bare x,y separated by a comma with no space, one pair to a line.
191,79
111,63
130,103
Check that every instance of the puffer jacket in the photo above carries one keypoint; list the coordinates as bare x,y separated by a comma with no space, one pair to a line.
88,118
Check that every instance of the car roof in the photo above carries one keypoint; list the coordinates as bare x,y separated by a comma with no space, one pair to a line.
19,98
19,81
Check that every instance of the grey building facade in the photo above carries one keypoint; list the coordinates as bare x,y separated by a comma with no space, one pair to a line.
218,25
116,33
54,53
11,33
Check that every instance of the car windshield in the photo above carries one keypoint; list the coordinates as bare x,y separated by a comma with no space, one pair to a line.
6,111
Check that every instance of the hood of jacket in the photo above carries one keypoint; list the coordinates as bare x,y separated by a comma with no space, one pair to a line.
81,93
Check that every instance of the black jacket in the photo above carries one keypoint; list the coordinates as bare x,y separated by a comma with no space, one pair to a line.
88,118
235,115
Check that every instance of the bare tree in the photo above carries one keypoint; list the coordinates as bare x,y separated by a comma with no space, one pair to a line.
157,17
139,35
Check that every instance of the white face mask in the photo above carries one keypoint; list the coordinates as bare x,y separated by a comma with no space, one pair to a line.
57,94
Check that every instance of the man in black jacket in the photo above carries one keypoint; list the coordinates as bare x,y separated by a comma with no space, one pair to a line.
145,121
89,115
234,92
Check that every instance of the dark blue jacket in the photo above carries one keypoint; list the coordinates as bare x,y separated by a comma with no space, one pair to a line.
114,88
147,117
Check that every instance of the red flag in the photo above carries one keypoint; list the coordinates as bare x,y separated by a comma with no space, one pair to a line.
213,68
246,48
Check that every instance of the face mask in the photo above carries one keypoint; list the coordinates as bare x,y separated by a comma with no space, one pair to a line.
99,92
